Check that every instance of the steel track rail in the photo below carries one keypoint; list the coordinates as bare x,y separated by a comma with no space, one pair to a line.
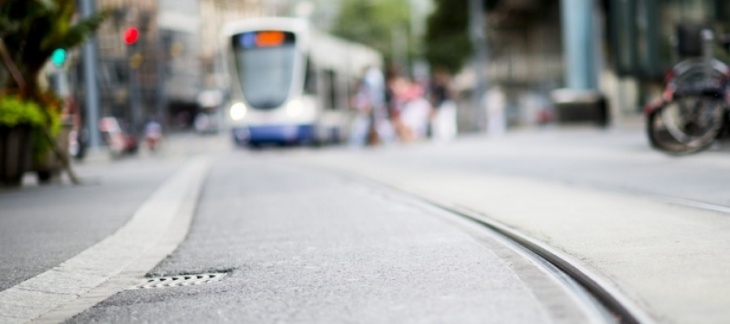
601,288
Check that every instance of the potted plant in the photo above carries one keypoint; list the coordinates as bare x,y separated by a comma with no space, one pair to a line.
19,120
30,31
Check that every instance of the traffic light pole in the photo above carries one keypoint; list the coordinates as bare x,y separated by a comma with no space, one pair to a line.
135,98
477,32
163,47
91,88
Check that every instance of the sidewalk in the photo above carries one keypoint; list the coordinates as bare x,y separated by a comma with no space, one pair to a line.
42,226
666,255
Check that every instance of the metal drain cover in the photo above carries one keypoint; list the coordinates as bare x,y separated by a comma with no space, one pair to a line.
180,281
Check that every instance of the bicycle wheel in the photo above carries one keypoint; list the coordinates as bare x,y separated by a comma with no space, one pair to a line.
687,124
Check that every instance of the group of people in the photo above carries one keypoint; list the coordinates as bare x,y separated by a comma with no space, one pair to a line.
394,108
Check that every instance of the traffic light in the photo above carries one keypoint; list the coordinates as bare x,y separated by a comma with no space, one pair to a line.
131,35
58,57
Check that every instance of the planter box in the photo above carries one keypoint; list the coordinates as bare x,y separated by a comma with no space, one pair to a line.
16,154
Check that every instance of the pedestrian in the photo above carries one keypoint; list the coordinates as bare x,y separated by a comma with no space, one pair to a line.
360,124
393,83
443,119
415,112
495,104
153,134
370,101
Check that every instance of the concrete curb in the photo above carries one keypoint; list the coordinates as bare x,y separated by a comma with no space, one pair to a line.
111,265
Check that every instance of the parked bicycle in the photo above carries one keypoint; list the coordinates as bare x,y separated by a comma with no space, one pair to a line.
693,109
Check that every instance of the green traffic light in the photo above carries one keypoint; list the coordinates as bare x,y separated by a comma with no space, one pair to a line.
58,57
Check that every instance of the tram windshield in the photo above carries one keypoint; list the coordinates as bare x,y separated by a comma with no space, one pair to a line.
265,66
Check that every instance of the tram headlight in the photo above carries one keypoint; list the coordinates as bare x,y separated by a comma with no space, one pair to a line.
294,108
237,111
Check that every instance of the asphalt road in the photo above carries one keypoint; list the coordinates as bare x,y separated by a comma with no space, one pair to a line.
302,245
302,242
42,226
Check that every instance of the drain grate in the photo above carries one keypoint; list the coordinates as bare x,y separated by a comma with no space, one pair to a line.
180,281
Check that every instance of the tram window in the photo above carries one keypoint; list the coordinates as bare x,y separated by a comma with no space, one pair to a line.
310,79
331,97
265,64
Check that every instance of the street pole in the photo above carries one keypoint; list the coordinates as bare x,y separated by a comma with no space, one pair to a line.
477,32
90,85
579,45
163,49
135,100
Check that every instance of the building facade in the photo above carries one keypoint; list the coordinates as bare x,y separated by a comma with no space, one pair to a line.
620,48
525,60
127,74
638,44
175,57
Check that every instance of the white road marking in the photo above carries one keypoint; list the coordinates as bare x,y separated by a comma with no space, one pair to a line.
107,267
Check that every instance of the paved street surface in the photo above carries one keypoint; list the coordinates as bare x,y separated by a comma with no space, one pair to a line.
307,246
41,227
314,235
656,226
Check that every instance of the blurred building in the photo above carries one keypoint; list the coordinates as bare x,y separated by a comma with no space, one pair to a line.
525,59
638,48
174,59
621,50
125,82
158,76
179,48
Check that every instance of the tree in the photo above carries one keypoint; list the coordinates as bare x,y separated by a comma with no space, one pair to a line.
30,31
447,40
372,22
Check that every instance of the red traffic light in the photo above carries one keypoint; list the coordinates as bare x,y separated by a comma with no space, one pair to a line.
131,35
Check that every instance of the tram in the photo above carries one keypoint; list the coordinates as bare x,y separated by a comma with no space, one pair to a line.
289,83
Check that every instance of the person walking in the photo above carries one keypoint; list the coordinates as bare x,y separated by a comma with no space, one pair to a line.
371,126
443,119
416,111
153,134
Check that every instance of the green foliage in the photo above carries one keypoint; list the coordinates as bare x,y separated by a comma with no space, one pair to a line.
371,22
14,111
447,40
33,29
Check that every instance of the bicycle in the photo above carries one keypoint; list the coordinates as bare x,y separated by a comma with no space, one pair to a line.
693,109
